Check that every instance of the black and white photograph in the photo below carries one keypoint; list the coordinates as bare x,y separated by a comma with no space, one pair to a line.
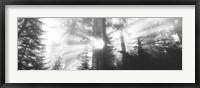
99,43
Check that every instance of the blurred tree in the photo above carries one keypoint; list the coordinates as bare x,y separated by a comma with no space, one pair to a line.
92,30
58,64
85,58
169,50
89,30
30,49
119,24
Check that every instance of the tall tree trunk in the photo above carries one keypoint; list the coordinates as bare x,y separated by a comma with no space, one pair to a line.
105,39
124,59
122,41
180,37
94,56
178,30
97,53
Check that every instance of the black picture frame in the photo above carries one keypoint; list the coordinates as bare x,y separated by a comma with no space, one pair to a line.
99,2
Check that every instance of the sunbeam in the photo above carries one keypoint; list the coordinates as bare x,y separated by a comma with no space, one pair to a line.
78,43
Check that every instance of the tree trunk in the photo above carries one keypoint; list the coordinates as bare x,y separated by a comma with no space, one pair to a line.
97,61
105,39
180,37
122,41
124,59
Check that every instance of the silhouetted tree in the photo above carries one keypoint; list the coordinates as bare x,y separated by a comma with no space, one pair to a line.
30,49
58,64
84,62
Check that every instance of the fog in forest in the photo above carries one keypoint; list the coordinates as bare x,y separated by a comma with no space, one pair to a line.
100,43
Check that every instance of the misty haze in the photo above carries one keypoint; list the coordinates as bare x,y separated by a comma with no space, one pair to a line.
100,43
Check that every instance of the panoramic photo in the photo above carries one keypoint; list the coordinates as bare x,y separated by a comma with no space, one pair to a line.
90,43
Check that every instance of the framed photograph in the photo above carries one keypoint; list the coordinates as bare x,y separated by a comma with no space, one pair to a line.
85,43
